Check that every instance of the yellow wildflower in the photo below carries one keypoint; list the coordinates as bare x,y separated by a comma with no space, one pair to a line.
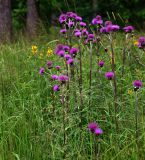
130,92
136,43
34,49
49,52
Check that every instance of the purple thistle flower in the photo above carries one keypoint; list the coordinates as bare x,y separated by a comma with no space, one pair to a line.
103,30
101,63
56,88
63,31
90,37
70,61
63,78
70,24
58,48
78,34
82,24
49,64
85,32
54,77
107,23
67,56
76,30
128,29
97,20
66,48
141,42
109,75
57,67
62,18
74,51
115,28
78,18
98,131
71,15
42,70
61,53
137,84
92,126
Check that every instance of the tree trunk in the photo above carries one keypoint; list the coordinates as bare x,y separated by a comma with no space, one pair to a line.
32,19
5,21
95,7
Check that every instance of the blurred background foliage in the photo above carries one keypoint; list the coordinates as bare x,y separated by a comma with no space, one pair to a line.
120,11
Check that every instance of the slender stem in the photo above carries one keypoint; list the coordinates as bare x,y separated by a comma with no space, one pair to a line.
90,75
136,115
114,81
80,84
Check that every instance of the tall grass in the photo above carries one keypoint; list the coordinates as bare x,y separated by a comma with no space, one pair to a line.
31,123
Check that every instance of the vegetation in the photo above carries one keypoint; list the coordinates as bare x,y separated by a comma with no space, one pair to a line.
39,121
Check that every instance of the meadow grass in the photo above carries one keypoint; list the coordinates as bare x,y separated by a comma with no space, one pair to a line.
31,123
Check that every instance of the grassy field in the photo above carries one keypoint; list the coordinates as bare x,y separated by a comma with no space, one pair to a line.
33,122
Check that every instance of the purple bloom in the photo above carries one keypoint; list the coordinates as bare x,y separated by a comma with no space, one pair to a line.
85,32
71,15
82,24
92,126
54,77
78,18
66,48
101,63
42,70
103,30
90,37
70,24
67,56
74,51
61,53
70,61
78,34
49,64
107,23
56,88
128,29
76,30
97,20
63,31
63,78
62,18
98,131
114,28
109,75
58,48
57,67
141,42
137,84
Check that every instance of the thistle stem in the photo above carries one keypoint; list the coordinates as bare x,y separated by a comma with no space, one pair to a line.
114,81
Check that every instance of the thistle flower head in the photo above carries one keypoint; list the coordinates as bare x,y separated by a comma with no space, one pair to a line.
101,63
73,51
83,24
109,75
137,84
57,67
70,61
141,42
49,64
67,56
42,70
63,31
54,77
56,88
62,18
63,78
94,128
128,29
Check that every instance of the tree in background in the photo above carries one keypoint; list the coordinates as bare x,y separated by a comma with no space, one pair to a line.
5,21
32,18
